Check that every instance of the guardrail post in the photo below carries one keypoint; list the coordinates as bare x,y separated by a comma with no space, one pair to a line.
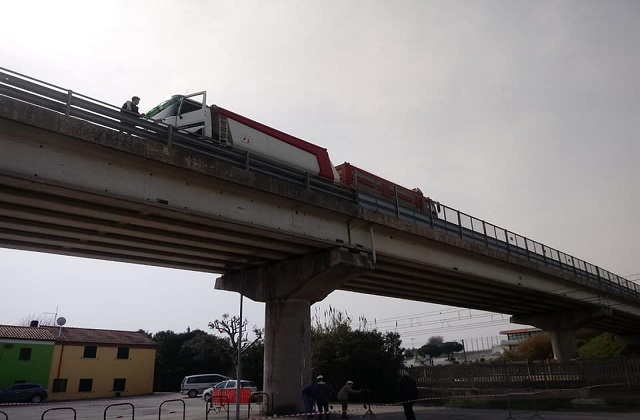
395,192
67,111
484,230
526,246
506,239
460,223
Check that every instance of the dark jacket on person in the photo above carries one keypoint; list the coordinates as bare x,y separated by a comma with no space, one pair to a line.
321,392
407,388
130,107
308,390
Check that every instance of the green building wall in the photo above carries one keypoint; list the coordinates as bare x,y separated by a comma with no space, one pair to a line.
35,370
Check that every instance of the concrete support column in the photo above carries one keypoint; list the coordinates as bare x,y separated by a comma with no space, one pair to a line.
562,326
564,345
287,352
289,288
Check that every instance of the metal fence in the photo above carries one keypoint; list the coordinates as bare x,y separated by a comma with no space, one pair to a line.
536,375
449,220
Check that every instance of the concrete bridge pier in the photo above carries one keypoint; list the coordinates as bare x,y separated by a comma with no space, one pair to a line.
564,345
562,327
287,351
289,288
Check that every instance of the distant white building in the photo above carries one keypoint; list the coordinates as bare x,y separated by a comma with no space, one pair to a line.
515,337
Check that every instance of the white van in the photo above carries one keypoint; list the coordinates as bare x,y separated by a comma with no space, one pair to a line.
193,385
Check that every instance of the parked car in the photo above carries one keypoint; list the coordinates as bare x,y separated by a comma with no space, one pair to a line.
23,393
193,385
228,389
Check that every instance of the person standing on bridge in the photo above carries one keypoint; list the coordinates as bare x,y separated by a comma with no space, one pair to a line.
130,108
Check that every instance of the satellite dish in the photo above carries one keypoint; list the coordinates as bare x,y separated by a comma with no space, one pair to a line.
61,321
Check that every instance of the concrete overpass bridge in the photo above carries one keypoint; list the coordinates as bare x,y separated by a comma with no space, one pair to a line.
71,183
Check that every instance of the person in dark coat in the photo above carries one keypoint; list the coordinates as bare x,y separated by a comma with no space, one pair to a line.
130,108
407,393
321,393
307,399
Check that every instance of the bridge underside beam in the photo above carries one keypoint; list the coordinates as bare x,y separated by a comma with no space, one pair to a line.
311,277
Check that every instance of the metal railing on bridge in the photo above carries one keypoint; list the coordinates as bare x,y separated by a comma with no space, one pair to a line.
449,220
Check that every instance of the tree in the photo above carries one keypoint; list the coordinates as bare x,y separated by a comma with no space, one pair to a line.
536,347
43,320
252,353
191,352
253,363
206,353
431,350
451,347
369,358
603,345
230,326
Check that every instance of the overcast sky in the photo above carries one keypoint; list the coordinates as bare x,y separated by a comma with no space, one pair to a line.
522,113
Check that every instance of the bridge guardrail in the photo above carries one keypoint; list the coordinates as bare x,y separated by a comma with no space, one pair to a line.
467,227
452,221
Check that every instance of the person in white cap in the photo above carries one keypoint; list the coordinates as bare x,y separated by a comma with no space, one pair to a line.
343,396
321,393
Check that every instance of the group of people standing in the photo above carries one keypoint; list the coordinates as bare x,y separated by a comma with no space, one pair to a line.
320,392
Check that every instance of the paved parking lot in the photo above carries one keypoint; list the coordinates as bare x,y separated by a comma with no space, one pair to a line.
169,406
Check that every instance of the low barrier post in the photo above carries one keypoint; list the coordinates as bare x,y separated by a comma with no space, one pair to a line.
184,408
133,409
224,405
255,395
75,415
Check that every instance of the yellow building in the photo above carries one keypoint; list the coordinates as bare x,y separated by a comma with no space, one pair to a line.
89,363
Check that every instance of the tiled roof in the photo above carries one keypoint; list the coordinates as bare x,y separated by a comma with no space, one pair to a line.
25,333
77,335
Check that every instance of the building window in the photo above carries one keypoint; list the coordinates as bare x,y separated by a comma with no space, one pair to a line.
119,384
123,352
59,385
90,352
25,353
85,385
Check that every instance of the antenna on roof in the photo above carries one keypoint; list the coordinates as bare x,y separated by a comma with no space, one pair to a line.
61,321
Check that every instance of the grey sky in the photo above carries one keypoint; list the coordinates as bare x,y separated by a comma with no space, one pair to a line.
524,114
